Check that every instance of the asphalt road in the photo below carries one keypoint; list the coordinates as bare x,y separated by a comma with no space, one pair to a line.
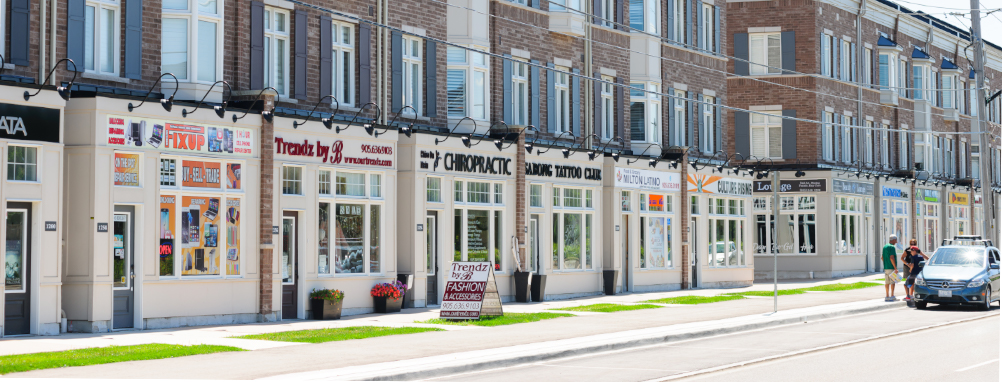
889,345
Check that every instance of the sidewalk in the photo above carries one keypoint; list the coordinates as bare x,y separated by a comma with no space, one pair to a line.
277,358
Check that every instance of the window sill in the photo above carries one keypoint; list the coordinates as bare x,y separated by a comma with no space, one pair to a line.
105,77
522,7
9,66
568,22
679,46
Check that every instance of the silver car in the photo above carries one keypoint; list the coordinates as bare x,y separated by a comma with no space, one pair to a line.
960,275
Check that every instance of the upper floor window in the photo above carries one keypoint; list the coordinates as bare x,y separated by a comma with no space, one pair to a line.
902,78
766,136
679,18
827,55
276,49
412,72
828,136
608,12
190,40
765,53
645,112
949,95
645,16
886,68
562,5
846,64
885,147
868,144
520,93
919,75
867,66
343,62
709,30
608,109
562,87
679,122
708,136
467,83
22,163
101,36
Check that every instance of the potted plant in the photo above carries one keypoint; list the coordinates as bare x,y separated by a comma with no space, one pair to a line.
325,304
388,297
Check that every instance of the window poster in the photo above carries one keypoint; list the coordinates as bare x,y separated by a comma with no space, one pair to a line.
200,233
349,238
168,214
233,176
656,235
477,235
323,239
233,237
200,174
126,169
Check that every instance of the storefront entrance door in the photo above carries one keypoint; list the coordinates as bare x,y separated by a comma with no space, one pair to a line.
431,254
17,293
693,253
534,245
627,266
290,267
123,301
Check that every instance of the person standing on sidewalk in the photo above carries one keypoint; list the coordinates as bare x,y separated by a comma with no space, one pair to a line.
913,265
890,255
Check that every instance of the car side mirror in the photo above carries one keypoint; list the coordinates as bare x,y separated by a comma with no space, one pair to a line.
993,266
922,263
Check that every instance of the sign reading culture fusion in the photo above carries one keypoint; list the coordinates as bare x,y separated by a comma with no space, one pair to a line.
712,184
562,171
648,180
179,137
29,123
471,292
339,152
795,185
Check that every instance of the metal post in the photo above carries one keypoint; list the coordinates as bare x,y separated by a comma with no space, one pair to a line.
984,140
775,241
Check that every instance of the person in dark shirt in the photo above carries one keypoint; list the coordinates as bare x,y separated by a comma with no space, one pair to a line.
915,257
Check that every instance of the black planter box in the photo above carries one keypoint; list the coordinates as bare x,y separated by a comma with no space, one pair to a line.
409,281
521,286
387,305
325,309
610,278
538,287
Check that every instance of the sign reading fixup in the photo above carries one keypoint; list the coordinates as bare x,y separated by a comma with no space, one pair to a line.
471,292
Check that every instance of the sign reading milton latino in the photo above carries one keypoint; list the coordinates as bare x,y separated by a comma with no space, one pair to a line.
648,180
339,152
471,292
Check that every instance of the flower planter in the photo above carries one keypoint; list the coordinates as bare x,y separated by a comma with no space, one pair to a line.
538,288
325,309
386,304
521,286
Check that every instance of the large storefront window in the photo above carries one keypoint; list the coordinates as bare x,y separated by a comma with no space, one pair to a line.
959,217
726,234
656,230
848,225
478,222
896,221
796,230
350,224
928,212
573,221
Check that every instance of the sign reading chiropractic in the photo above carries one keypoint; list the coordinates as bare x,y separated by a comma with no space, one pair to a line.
648,180
339,152
477,164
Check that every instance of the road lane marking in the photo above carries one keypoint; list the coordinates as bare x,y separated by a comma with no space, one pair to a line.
978,365
612,368
813,350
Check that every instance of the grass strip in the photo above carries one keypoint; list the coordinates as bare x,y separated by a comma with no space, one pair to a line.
841,287
507,319
768,293
315,336
96,356
695,300
608,308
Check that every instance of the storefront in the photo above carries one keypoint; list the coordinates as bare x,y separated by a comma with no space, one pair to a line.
643,206
31,140
336,204
929,218
163,217
720,225
565,207
802,249
854,224
895,210
959,214
978,216
458,205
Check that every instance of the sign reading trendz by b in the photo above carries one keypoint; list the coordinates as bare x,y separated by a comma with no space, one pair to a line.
28,123
648,180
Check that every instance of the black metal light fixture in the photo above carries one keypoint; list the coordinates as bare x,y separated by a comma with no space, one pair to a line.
64,91
219,109
529,145
466,142
489,130
328,122
371,130
268,115
641,154
548,148
615,156
167,103
366,126
567,151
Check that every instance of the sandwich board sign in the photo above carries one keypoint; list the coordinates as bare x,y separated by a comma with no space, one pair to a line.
471,292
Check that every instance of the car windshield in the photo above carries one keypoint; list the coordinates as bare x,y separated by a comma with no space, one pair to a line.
959,257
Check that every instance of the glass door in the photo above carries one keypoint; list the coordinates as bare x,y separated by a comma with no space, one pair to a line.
289,264
17,289
431,256
533,243
124,274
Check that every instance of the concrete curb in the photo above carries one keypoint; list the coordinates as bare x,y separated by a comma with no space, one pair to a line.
466,362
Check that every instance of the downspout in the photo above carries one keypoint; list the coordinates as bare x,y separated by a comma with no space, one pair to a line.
379,57
52,41
384,19
589,89
41,49
860,48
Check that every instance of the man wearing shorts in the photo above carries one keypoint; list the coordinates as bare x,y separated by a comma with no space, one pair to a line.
890,255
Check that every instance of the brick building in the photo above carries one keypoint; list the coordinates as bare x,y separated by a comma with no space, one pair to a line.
893,154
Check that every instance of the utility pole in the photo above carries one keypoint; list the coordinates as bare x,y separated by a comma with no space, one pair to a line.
775,239
984,142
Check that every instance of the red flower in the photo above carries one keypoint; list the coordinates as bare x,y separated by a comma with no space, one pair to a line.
385,290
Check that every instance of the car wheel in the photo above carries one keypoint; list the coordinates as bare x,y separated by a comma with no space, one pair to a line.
987,304
921,305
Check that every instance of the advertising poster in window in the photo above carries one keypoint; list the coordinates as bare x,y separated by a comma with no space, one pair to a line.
127,169
656,235
233,237
200,232
200,174
349,239
168,136
233,176
168,214
323,239
477,235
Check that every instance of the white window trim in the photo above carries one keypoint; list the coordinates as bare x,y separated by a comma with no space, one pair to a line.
849,213
302,175
560,211
194,16
38,163
867,66
652,17
892,70
339,47
679,19
562,87
709,139
441,190
608,127
845,67
828,138
469,68
868,144
520,79
741,217
708,27
412,95
765,127
949,91
846,132
668,214
885,152
759,58
366,201
100,5
271,14
653,124
796,211
681,117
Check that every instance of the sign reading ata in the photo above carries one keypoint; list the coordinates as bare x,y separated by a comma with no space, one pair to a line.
163,135
470,292
648,180
29,123
339,152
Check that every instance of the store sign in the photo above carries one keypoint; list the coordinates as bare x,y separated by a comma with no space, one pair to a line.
201,174
475,164
338,152
471,292
29,123
931,196
126,169
958,198
548,170
648,180
712,184
847,187
977,199
890,192
795,185
179,137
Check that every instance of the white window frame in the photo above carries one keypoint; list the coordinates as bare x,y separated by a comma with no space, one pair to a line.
413,70
867,66
668,232
562,98
849,209
681,118
37,164
470,68
827,56
846,64
272,55
343,60
885,152
902,77
520,93
759,60
764,126
709,134
366,201
289,182
846,131
608,13
734,210
194,16
709,37
560,211
680,19
99,7
647,94
888,81
651,15
608,109
492,206
868,144
949,97
797,206
828,136
429,191
902,149
564,5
